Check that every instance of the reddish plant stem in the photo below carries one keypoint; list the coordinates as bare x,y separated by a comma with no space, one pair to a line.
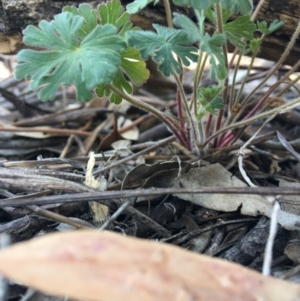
226,135
179,106
179,133
260,103
218,125
229,136
208,124
226,139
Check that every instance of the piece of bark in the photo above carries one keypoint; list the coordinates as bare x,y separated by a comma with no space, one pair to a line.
94,265
252,244
15,15
30,180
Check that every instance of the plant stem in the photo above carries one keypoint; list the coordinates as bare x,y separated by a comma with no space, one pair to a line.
179,106
279,63
192,121
257,9
196,81
290,84
259,102
277,110
231,98
168,13
225,52
150,109
253,17
209,120
237,99
200,64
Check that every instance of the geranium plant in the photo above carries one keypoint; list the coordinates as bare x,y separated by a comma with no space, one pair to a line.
99,51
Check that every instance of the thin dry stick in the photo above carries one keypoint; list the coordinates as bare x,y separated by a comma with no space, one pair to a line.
291,272
60,218
273,226
44,130
52,215
66,149
146,150
115,215
109,197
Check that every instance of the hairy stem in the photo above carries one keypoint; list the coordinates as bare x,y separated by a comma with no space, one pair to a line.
200,62
179,106
231,99
150,109
259,102
278,64
237,99
168,13
197,136
278,110
289,85
257,9
253,17
197,78
225,52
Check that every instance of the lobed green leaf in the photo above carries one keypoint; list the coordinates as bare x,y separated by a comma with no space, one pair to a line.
196,4
213,47
89,15
191,29
244,7
114,13
241,27
161,46
137,5
265,29
209,101
134,67
67,59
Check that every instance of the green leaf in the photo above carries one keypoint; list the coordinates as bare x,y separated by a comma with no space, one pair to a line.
196,4
119,82
89,15
188,26
244,7
67,59
221,72
102,90
263,26
254,45
215,105
138,5
162,45
207,94
210,45
213,47
241,27
211,14
209,100
134,67
114,13
276,24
